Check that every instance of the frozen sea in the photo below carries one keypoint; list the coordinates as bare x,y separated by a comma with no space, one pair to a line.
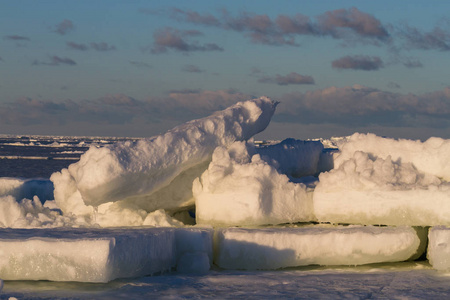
39,157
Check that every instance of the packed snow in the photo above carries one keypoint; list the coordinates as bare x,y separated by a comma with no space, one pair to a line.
245,185
86,255
199,179
439,248
274,248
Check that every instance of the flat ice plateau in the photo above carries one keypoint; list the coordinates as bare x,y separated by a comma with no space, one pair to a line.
202,202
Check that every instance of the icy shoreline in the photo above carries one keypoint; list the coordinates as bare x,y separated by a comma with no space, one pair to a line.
262,206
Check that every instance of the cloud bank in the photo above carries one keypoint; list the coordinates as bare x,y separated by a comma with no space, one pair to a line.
341,109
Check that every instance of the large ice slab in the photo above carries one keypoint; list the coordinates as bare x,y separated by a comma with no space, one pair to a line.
370,190
157,173
86,255
274,248
248,186
431,156
194,247
439,247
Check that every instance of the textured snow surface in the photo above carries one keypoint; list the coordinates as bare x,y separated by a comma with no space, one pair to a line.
86,255
156,173
439,248
431,156
245,185
372,190
26,188
273,248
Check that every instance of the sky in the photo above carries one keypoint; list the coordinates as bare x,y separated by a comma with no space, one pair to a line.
139,68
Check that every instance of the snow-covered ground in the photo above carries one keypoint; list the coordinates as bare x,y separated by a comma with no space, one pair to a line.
225,207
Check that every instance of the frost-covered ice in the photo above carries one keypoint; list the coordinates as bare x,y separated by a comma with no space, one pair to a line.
194,248
156,173
273,248
364,188
431,156
245,185
86,255
439,248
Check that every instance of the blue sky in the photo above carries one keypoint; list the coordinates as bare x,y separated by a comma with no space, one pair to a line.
137,68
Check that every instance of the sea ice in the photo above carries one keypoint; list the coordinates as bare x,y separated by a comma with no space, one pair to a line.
26,188
194,247
365,189
274,248
439,247
156,173
431,156
86,255
245,185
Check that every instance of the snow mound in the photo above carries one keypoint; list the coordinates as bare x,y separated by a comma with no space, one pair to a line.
274,248
431,156
365,189
245,185
156,173
85,255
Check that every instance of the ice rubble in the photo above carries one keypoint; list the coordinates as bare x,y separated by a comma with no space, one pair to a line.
26,188
431,156
390,184
245,185
155,173
273,248
86,255
370,180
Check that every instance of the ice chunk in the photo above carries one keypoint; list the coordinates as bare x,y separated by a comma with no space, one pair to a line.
369,190
30,214
86,255
194,249
431,156
439,247
157,173
244,187
274,248
26,188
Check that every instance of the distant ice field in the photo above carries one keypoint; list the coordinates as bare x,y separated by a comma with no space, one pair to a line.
40,156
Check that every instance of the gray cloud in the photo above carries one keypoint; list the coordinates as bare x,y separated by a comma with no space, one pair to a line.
178,106
76,46
194,17
338,23
291,78
64,27
410,64
102,46
140,64
347,24
97,46
363,106
358,62
192,69
346,108
56,61
178,40
16,38
437,39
